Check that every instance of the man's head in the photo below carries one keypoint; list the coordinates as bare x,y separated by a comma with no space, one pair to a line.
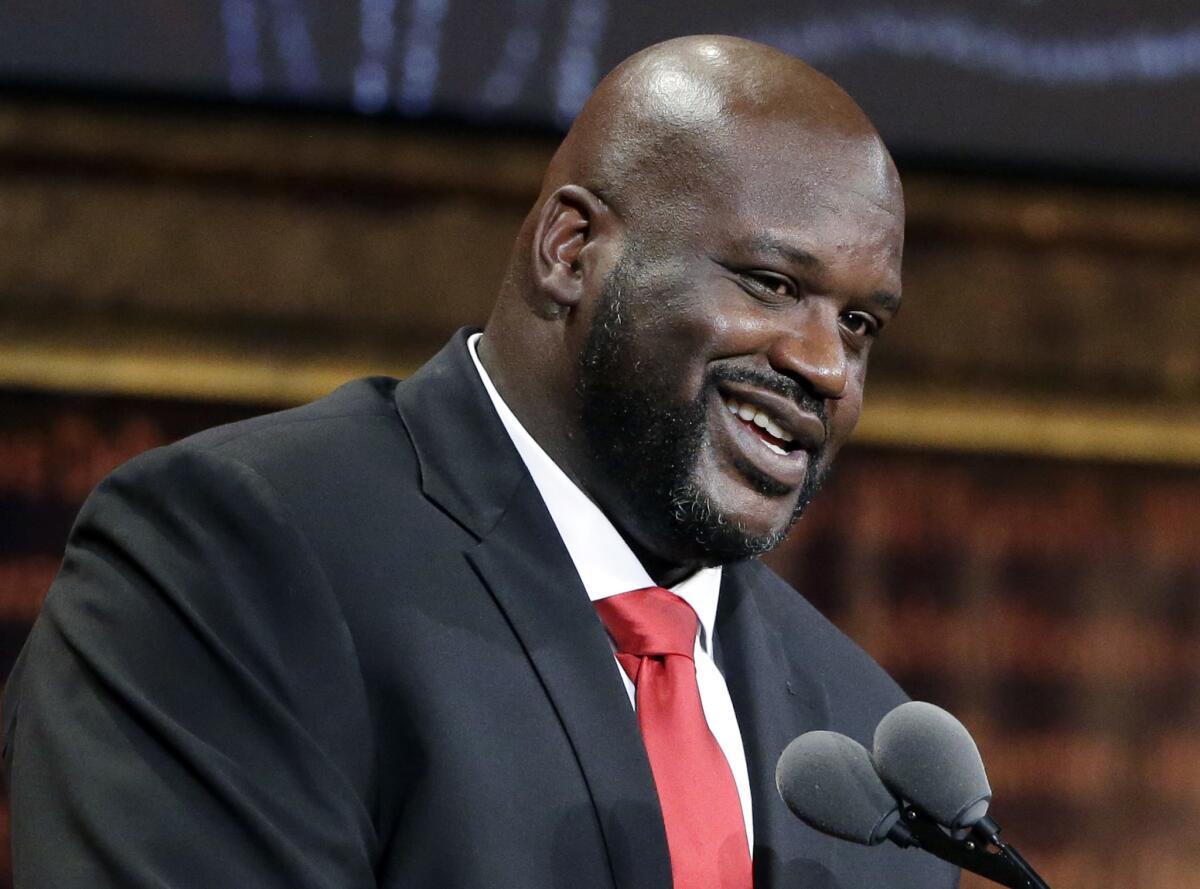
687,316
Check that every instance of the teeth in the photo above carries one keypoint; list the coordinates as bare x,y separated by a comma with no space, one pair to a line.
759,418
776,448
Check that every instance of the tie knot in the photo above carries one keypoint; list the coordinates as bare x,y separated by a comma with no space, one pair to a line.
649,622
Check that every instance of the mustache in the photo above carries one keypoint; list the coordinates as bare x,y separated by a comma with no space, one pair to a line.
777,383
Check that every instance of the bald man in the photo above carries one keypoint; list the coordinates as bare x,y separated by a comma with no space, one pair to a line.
500,625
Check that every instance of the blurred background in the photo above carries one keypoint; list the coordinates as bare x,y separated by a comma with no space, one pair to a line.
208,210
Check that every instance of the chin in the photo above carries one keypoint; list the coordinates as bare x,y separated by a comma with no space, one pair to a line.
741,515
716,533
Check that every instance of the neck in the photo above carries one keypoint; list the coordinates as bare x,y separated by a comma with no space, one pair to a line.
665,574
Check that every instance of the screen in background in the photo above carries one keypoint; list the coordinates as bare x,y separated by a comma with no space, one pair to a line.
1102,85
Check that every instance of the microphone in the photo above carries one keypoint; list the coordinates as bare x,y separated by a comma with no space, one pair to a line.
923,785
828,782
928,757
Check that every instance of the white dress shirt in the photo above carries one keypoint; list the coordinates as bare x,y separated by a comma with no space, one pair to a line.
607,566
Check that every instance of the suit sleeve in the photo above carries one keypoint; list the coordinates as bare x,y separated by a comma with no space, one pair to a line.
189,710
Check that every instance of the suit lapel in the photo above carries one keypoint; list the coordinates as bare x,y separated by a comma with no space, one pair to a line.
773,704
470,468
531,576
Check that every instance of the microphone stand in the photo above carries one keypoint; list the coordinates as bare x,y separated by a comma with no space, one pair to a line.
989,831
1004,866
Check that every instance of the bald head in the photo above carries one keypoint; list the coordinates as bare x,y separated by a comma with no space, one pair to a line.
670,119
720,230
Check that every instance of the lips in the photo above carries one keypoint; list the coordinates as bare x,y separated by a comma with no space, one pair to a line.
768,435
760,422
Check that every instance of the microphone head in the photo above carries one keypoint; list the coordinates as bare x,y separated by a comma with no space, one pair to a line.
828,782
927,757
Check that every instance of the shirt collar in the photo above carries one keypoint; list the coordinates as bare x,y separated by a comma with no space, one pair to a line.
606,564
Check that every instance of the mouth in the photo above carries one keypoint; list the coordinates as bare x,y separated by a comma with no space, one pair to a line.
762,425
770,439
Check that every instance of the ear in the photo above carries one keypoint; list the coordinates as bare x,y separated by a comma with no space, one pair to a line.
570,230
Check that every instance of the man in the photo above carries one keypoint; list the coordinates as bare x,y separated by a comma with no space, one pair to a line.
363,643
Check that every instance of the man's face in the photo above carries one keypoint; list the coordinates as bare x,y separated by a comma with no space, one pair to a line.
725,361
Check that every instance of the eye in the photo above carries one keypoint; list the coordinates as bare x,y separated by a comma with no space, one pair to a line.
861,324
770,283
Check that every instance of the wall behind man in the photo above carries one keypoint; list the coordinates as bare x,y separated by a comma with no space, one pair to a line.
1013,535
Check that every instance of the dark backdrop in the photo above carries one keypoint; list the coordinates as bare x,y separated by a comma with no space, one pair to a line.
1101,85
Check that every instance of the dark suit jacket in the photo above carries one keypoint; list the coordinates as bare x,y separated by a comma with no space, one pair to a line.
343,647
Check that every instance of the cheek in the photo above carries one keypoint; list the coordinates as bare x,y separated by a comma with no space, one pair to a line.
680,328
715,322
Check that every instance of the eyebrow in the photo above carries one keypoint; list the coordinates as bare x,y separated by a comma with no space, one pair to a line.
768,244
885,299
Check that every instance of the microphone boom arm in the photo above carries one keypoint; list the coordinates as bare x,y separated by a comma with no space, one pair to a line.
1005,866
989,831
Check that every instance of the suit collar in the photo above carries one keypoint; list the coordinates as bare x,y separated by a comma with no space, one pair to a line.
530,575
773,703
468,464
471,470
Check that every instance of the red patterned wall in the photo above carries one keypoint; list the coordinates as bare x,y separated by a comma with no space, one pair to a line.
1055,608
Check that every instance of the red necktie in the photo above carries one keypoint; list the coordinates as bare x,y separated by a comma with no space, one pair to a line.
654,632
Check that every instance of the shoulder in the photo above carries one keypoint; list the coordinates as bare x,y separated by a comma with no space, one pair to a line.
285,483
254,476
299,454
233,525
351,416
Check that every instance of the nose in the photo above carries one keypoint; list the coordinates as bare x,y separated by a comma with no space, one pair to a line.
811,349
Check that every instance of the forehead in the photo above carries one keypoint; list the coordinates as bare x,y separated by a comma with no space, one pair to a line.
783,166
830,197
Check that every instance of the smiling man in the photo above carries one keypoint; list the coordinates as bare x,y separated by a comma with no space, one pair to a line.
719,237
500,624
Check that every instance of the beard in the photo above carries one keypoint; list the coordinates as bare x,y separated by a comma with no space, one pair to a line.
647,440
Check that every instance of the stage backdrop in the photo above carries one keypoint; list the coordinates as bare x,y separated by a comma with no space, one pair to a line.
1052,605
1102,85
